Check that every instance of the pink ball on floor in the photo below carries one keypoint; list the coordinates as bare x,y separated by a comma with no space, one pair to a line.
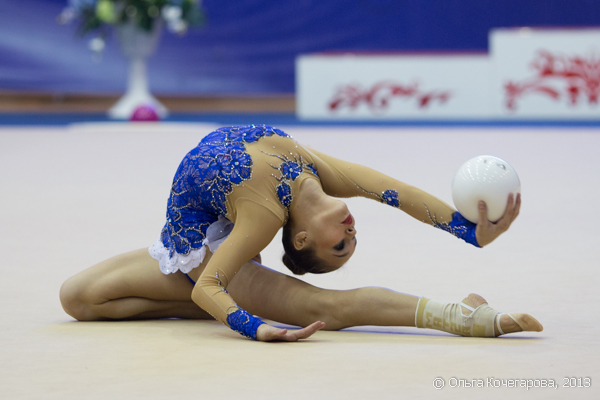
144,113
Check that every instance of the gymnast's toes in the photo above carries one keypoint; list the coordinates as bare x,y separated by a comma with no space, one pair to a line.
521,323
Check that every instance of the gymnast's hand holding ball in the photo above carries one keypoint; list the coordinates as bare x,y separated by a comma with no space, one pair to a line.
486,190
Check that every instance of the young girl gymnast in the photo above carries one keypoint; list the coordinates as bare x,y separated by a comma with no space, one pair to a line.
230,196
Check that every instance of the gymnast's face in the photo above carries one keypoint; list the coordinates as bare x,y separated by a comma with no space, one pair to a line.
333,235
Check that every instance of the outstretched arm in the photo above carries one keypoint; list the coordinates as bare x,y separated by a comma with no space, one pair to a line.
345,179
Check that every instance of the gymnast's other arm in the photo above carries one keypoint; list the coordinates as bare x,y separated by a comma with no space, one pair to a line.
345,179
255,227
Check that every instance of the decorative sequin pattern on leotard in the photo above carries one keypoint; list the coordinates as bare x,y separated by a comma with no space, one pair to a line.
203,180
460,227
388,196
289,170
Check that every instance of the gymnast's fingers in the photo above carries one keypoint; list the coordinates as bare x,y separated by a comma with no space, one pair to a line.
509,213
518,206
309,330
483,213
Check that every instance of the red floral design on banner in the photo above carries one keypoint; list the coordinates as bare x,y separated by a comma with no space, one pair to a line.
378,97
559,76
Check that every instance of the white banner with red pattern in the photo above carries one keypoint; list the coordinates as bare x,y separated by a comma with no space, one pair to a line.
549,74
529,74
331,86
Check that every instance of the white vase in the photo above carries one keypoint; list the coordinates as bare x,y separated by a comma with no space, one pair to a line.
137,45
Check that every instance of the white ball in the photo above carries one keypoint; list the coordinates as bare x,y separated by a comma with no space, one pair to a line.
486,178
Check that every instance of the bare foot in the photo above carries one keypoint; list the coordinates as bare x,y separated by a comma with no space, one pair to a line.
507,324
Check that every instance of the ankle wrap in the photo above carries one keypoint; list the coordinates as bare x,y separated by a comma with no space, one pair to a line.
449,317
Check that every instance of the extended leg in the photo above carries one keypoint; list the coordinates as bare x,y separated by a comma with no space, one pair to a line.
282,298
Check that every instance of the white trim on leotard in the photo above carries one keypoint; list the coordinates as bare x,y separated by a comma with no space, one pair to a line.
216,234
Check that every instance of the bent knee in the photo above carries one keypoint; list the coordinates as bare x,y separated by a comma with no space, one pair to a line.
73,300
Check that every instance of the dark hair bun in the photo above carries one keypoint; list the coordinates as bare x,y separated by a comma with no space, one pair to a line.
288,262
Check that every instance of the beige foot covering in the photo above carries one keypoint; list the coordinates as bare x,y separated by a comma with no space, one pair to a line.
449,317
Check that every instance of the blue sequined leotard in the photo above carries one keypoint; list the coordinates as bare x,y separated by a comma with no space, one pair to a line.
204,179
229,163
237,187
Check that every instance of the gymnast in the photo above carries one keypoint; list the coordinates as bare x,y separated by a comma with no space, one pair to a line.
230,196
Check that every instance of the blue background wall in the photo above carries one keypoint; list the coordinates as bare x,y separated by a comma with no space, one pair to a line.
249,46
